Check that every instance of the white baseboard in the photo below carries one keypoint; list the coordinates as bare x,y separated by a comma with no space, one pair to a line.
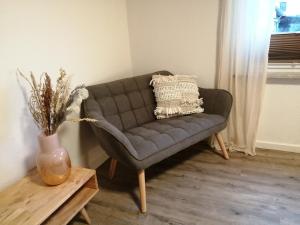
278,146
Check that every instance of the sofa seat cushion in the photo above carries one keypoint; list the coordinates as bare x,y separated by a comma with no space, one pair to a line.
154,137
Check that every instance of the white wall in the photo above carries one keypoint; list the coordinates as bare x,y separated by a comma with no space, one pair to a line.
91,42
89,39
279,126
175,35
181,36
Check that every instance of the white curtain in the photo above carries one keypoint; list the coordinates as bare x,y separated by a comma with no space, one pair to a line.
244,36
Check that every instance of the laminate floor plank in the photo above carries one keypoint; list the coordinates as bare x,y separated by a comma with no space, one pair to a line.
197,186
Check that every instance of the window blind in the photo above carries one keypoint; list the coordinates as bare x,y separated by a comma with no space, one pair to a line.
285,48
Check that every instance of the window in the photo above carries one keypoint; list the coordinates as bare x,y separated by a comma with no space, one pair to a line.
285,40
287,16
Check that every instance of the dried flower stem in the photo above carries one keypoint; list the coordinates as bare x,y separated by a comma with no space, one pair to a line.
74,120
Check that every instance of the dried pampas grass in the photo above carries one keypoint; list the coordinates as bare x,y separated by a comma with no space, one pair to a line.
48,105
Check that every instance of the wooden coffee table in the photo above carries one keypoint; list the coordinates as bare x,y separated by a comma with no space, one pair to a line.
30,201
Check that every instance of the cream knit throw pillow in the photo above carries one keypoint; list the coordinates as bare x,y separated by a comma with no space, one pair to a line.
175,95
190,101
168,96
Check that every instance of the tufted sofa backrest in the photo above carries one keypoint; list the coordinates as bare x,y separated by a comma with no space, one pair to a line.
126,103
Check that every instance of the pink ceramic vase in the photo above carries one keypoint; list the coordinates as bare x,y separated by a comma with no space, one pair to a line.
53,162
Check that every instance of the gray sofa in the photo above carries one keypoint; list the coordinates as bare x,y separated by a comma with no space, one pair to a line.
130,134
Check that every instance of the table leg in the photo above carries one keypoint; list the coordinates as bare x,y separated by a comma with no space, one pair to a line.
85,215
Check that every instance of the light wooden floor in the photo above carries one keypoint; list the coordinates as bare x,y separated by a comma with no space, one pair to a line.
199,187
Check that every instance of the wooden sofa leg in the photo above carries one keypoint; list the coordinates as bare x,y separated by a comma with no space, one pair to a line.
112,168
142,185
222,146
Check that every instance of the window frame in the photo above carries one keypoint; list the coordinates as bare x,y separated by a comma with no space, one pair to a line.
283,70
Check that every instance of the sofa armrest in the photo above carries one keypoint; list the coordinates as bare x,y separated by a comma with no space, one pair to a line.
110,137
216,101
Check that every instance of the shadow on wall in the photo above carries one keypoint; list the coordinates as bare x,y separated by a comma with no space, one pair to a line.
29,131
82,145
90,147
